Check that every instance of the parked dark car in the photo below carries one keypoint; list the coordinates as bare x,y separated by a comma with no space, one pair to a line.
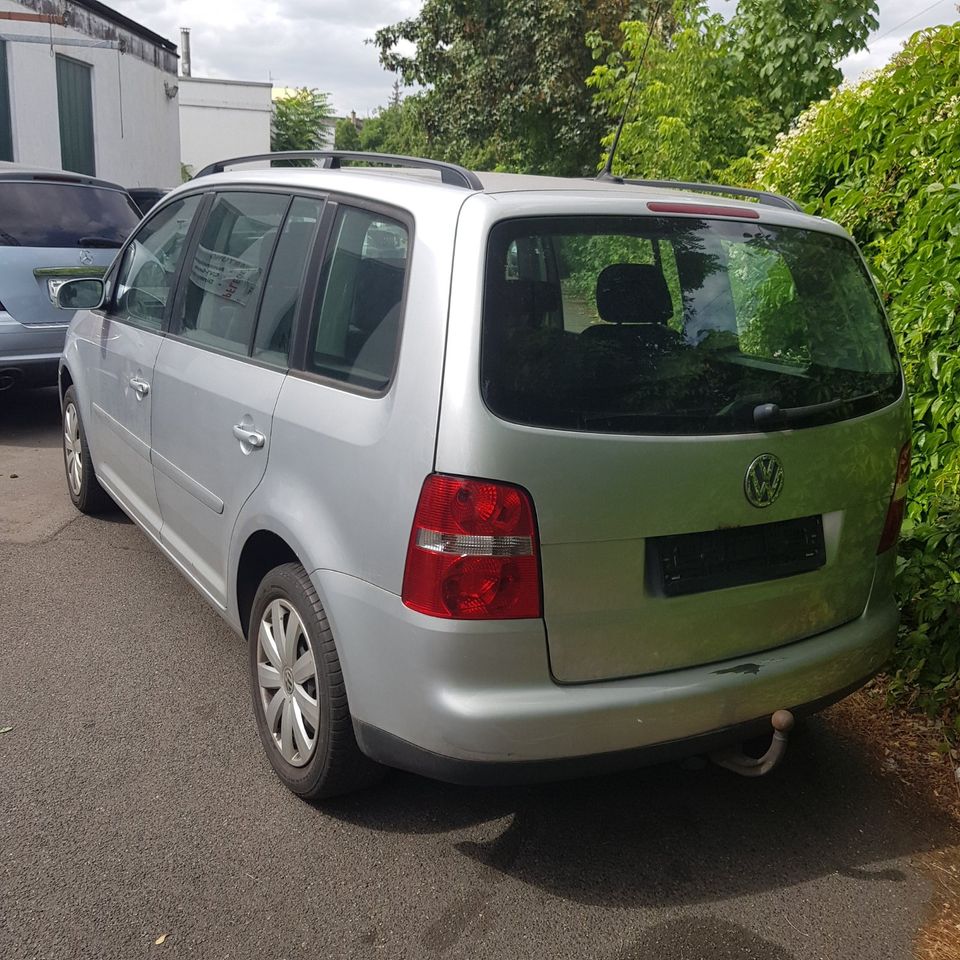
147,197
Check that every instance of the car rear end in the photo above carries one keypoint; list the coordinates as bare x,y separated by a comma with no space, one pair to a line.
53,227
671,461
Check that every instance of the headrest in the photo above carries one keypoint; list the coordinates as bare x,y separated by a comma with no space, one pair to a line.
524,303
633,293
379,289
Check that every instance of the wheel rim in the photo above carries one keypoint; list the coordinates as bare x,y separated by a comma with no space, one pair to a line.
288,682
73,448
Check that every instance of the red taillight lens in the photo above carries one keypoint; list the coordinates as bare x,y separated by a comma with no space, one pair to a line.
473,552
898,502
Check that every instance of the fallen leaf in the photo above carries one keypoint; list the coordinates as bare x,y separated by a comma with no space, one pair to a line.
160,939
5,729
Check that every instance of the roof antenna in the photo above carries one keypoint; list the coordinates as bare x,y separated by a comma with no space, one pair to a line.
607,172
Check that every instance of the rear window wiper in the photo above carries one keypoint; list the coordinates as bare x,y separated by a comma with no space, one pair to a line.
99,242
773,415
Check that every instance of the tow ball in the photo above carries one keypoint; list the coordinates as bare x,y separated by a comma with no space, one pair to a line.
733,758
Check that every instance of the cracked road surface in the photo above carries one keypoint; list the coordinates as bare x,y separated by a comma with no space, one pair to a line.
134,802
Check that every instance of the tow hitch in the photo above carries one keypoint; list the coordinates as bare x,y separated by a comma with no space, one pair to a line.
733,758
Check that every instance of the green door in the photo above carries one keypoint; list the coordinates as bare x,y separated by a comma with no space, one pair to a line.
75,103
6,132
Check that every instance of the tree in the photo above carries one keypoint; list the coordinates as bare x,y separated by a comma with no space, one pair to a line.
399,128
345,135
505,78
298,118
786,51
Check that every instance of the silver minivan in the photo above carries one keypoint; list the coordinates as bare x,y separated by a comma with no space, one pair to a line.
503,478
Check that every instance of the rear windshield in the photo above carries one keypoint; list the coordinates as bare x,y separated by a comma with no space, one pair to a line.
41,214
688,326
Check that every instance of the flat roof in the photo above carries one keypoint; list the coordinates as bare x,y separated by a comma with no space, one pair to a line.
108,13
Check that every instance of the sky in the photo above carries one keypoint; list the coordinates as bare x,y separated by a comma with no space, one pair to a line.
323,43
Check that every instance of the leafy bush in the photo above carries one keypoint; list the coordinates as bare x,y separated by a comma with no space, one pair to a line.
881,158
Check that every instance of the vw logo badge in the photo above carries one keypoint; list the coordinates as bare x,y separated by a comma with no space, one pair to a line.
764,480
86,257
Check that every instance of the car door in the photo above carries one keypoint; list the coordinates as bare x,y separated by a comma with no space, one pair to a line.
218,374
123,355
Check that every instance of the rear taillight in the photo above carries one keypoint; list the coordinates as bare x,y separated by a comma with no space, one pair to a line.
898,502
473,552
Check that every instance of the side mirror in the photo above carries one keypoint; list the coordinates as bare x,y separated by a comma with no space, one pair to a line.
80,294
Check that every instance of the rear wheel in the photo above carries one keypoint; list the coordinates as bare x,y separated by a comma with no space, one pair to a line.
82,484
299,697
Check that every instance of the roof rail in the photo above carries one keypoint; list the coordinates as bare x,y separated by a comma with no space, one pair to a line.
761,196
449,172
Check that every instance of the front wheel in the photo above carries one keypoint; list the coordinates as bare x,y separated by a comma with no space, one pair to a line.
299,698
82,484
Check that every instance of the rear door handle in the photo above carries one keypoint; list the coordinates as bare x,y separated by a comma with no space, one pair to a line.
140,387
253,438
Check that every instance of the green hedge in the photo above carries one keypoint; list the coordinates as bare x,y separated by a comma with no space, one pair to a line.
883,159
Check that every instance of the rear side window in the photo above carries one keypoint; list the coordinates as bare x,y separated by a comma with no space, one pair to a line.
145,278
40,214
223,284
356,325
687,326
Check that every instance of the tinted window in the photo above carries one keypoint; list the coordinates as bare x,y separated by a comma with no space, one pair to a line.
38,214
146,275
224,281
679,326
357,319
284,284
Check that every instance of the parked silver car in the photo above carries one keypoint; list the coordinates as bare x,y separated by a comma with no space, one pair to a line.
53,226
502,477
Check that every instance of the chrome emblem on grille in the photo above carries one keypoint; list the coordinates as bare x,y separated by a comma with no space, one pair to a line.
764,480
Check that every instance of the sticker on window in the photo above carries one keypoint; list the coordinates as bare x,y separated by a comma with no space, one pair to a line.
229,278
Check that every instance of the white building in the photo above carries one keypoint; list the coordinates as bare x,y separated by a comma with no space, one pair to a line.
84,88
221,119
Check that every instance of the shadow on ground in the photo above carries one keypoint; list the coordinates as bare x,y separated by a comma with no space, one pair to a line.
30,417
664,836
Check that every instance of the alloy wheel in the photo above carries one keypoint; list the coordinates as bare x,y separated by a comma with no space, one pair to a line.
73,448
288,682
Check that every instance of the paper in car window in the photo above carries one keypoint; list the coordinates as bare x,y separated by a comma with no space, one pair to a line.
229,278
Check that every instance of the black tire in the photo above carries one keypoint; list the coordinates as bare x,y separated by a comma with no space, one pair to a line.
336,764
88,497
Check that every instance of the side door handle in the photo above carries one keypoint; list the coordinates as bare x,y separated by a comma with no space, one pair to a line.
252,438
140,387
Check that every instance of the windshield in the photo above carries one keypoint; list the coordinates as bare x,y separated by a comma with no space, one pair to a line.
36,213
658,325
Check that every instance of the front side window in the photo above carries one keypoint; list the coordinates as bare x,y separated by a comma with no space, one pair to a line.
687,326
146,276
223,283
356,326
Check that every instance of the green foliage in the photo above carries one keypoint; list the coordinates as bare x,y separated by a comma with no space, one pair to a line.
297,120
505,79
786,51
345,135
710,92
881,158
399,128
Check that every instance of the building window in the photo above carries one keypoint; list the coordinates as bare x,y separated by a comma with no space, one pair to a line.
75,103
6,130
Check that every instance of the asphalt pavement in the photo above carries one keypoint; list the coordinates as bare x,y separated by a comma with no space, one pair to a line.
136,806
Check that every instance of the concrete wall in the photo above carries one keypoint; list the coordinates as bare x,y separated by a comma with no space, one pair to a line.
135,121
223,118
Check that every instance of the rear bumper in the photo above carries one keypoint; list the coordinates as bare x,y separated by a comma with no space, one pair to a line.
30,354
449,698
